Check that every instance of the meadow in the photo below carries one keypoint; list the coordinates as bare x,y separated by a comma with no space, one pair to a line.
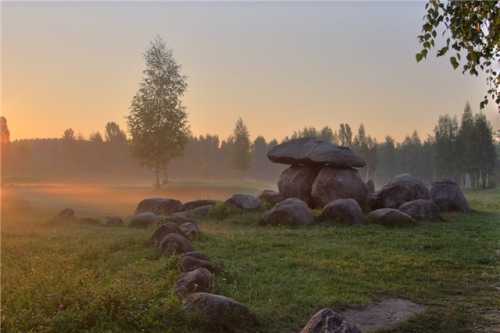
67,278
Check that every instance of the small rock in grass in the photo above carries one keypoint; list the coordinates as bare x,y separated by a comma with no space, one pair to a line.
190,263
178,218
244,201
190,230
344,211
201,211
390,217
175,244
329,321
198,280
89,221
143,220
449,197
197,203
163,230
291,211
65,215
159,206
401,189
197,255
220,311
271,197
112,221
421,209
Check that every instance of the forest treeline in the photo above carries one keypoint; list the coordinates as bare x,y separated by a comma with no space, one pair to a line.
464,149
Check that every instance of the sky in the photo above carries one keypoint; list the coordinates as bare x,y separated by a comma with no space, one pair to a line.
278,66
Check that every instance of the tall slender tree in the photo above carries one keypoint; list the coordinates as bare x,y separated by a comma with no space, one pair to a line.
4,131
387,159
114,133
241,146
465,148
485,150
69,135
96,137
328,134
345,135
447,159
158,121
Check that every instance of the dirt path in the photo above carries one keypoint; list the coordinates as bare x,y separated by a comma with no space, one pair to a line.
384,315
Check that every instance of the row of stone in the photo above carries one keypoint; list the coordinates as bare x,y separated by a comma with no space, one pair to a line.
196,283
140,220
402,201
294,212
167,206
68,215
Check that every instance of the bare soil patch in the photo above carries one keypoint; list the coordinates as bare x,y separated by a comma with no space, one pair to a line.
384,315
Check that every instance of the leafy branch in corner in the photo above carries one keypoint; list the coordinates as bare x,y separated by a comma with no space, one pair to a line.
470,33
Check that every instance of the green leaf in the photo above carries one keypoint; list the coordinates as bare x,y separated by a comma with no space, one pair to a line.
442,51
454,62
419,56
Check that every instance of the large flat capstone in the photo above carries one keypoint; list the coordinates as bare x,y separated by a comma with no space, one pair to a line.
312,151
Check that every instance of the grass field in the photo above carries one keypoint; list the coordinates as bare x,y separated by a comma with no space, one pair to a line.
71,278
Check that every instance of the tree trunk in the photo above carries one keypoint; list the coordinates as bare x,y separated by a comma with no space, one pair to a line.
157,177
165,175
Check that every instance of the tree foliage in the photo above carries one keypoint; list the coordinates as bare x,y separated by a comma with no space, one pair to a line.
114,134
241,146
69,135
470,33
466,151
96,137
4,131
345,135
158,121
326,134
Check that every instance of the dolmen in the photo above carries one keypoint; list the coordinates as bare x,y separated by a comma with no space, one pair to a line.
320,172
325,176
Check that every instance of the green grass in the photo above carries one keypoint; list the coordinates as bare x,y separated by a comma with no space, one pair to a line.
97,279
